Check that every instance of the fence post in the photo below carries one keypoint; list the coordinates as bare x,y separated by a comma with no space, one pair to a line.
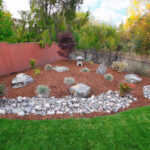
85,55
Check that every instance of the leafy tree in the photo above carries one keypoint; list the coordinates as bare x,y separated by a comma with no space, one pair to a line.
67,43
5,23
47,14
138,26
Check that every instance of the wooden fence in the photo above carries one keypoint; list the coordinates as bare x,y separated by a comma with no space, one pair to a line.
15,57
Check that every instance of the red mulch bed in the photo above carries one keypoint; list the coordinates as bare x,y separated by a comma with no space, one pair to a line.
55,82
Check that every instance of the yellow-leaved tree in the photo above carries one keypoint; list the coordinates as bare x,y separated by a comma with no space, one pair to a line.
137,26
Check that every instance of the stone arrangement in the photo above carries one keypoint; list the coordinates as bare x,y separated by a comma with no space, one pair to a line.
101,69
61,69
106,102
21,80
146,91
132,78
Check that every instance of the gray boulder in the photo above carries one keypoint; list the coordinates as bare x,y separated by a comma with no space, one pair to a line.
80,90
101,69
21,80
132,78
61,69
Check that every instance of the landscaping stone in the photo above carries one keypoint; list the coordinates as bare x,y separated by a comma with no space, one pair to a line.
61,69
21,80
21,113
80,90
146,91
50,113
101,69
105,102
132,78
2,112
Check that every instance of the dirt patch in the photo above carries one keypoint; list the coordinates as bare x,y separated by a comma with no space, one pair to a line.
55,81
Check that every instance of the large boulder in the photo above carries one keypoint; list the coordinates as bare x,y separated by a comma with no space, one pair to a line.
80,90
132,78
61,69
101,69
21,80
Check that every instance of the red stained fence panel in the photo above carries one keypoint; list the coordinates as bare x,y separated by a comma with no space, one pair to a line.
15,57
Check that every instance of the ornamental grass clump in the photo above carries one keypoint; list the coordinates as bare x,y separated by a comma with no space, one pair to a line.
43,90
109,77
32,63
48,67
69,80
125,88
37,71
85,69
119,66
2,89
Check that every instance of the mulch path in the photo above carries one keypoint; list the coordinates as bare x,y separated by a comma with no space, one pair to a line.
54,81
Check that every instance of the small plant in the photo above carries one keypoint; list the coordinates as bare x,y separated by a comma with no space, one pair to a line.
32,63
91,62
109,77
69,80
119,66
42,90
48,67
37,71
2,89
125,88
85,69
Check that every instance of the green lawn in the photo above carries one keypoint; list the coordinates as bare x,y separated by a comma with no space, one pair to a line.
128,130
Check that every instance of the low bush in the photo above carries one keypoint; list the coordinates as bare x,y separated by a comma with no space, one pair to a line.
125,88
42,90
109,77
48,67
69,80
119,66
32,63
2,89
37,71
85,69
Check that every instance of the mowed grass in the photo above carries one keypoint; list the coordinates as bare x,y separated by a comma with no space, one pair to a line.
128,130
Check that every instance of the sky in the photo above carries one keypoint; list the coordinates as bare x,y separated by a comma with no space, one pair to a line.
109,11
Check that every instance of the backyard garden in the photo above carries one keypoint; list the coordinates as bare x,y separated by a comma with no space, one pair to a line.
99,95
69,82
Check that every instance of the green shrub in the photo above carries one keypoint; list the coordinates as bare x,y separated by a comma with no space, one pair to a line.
85,69
32,63
119,66
69,80
42,90
45,39
109,77
48,67
2,89
37,71
125,88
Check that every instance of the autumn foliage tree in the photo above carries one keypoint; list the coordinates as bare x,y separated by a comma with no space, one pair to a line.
137,26
67,43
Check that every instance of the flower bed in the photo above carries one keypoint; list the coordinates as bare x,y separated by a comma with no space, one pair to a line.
55,81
